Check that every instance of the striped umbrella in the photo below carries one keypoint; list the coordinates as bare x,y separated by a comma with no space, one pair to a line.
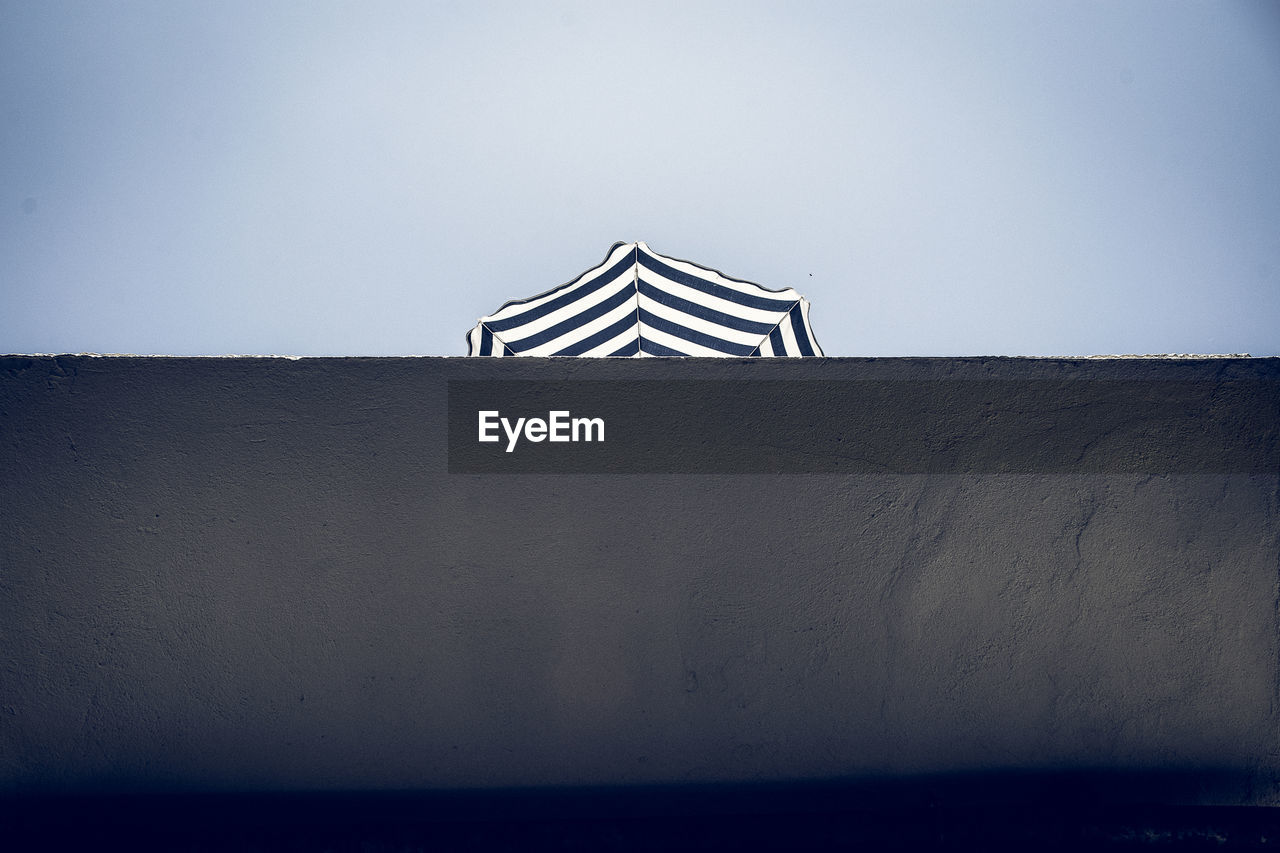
640,303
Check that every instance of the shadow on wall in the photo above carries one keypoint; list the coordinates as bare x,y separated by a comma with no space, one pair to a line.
1064,809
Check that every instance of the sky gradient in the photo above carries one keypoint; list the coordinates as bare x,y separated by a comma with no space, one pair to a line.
938,179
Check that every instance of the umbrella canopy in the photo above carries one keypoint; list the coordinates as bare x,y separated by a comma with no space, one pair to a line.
640,303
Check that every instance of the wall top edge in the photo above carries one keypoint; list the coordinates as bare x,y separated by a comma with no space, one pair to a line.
554,359
417,369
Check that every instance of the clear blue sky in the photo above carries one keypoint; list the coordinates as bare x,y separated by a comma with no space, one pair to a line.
938,178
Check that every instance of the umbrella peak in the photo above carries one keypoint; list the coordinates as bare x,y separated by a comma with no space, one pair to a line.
639,303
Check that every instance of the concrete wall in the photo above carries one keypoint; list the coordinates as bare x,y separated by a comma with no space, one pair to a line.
261,574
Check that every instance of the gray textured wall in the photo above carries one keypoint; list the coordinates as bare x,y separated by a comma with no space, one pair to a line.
259,574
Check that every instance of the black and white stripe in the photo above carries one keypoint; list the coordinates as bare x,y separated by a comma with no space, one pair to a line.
640,303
